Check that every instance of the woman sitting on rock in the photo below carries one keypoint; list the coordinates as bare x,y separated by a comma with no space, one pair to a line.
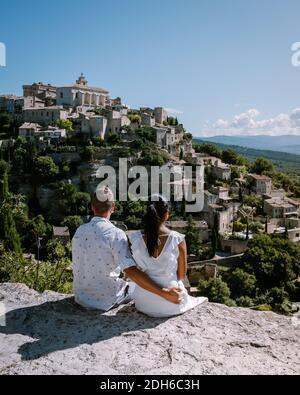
162,255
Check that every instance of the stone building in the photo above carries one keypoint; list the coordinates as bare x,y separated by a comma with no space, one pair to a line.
33,132
221,171
181,226
147,119
233,246
14,104
260,184
160,115
28,130
45,116
280,208
94,126
116,121
81,94
41,94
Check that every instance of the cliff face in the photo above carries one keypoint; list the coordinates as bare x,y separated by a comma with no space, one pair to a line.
50,334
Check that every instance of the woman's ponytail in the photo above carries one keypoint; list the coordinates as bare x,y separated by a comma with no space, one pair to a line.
153,220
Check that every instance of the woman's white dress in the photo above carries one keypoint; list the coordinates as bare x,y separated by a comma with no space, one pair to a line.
163,271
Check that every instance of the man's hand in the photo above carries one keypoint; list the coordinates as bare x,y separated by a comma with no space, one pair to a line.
172,295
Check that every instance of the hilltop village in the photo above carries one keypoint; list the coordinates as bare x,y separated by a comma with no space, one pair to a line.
54,138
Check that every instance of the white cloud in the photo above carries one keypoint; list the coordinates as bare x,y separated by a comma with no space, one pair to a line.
173,111
248,123
295,117
220,124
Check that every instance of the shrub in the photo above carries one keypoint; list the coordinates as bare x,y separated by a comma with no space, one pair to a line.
215,289
44,169
244,301
72,222
241,283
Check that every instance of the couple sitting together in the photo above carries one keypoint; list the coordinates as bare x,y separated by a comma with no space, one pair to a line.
153,262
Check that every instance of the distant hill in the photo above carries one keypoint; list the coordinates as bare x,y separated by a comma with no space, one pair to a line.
284,161
288,143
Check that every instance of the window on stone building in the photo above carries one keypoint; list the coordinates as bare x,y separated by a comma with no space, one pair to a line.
61,95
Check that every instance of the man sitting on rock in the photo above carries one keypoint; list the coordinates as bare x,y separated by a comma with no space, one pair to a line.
100,252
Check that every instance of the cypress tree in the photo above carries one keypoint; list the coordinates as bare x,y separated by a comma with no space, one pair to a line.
215,235
8,231
181,154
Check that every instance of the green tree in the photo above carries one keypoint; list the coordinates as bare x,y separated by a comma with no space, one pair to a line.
88,153
241,283
45,169
239,226
256,227
244,301
11,266
279,300
23,155
72,222
252,201
6,122
192,237
261,165
146,134
36,227
273,260
8,231
209,149
151,155
172,121
114,139
134,213
181,155
55,250
235,172
134,117
215,235
215,289
82,203
118,213
233,158
65,124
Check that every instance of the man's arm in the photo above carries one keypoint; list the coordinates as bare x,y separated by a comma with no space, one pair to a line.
173,295
123,258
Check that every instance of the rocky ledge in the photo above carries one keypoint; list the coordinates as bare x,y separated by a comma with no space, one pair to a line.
49,334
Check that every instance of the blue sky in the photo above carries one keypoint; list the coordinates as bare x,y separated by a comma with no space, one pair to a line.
224,65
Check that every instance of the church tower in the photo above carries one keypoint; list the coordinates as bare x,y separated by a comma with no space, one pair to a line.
82,80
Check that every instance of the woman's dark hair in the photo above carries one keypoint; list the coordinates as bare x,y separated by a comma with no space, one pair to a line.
153,219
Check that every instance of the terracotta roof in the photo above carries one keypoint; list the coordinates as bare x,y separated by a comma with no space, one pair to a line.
260,177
